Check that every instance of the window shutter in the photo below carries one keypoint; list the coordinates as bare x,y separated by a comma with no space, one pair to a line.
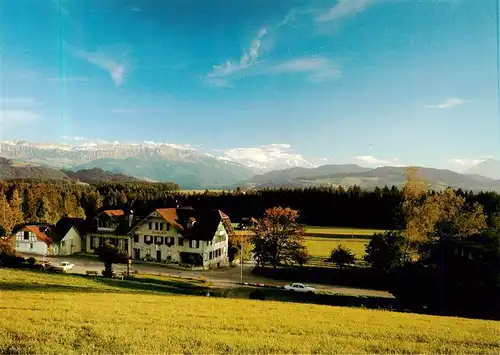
197,244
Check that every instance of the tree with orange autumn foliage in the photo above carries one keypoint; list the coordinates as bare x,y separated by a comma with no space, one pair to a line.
279,238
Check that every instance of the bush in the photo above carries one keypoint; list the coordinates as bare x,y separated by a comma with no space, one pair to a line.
341,256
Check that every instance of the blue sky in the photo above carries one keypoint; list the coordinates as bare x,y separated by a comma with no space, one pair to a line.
366,81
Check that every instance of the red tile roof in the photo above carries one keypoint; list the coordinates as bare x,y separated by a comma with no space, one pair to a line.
114,213
39,234
170,215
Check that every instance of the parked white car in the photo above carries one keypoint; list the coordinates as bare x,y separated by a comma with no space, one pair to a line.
300,288
66,265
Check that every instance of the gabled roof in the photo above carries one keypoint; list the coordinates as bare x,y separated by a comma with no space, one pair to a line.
170,215
35,229
65,224
114,213
206,224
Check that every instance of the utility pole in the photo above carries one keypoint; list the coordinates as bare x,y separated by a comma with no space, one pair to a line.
241,258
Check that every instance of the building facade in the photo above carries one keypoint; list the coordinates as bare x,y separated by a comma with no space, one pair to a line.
34,239
184,236
109,226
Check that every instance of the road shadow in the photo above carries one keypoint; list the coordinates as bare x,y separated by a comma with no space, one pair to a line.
341,300
365,278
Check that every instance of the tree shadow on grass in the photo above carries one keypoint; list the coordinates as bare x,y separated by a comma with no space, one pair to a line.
103,285
175,287
170,283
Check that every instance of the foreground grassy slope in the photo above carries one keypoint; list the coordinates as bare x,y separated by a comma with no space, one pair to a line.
88,316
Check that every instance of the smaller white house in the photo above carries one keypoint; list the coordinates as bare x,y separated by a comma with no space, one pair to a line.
70,235
34,239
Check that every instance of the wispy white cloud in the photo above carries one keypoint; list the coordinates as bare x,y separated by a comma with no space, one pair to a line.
115,69
468,162
217,82
371,160
19,109
33,75
18,116
220,74
19,101
448,103
266,157
317,68
247,60
342,9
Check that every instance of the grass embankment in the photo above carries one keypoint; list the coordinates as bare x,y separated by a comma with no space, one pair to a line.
331,232
339,232
42,313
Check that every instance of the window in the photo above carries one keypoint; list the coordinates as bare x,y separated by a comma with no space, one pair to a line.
150,225
31,245
168,226
158,240
63,244
210,256
161,226
156,226
26,235
181,241
136,238
195,243
148,239
169,241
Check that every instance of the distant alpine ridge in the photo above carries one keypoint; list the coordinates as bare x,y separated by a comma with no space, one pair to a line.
191,169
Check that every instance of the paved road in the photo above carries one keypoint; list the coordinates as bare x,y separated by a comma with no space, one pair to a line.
229,277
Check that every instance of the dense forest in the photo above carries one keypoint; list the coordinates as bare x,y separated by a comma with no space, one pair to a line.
31,201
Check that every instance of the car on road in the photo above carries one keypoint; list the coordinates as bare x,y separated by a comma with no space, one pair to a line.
296,287
65,266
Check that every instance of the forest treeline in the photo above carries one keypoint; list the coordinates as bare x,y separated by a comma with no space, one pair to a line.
31,201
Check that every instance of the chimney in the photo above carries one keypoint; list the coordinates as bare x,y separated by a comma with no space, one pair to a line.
130,218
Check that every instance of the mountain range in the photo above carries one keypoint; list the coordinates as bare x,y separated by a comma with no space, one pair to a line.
194,170
367,178
11,170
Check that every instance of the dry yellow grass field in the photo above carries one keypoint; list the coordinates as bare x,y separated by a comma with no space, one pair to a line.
64,314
